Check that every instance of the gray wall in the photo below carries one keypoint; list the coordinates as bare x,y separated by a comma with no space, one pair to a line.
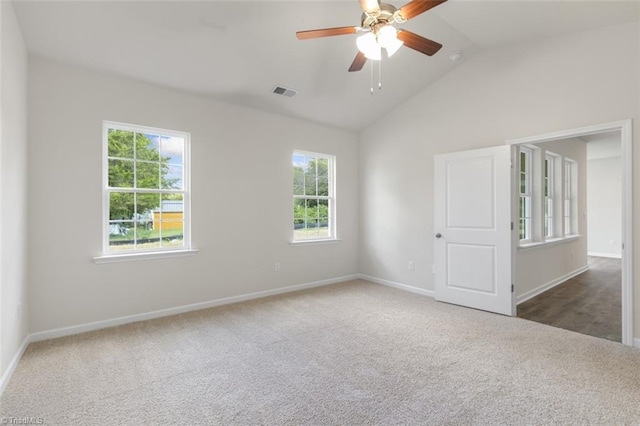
241,200
507,93
13,198
604,191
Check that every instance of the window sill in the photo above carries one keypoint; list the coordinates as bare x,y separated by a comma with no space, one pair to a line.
547,243
134,257
314,242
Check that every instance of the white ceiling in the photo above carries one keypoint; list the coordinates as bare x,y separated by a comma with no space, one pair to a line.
236,51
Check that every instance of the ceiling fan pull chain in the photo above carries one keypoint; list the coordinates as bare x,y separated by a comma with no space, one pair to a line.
371,80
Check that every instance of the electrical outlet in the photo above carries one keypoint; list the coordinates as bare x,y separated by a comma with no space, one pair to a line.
276,266
412,266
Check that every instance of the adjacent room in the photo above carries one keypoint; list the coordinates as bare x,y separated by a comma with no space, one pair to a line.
312,212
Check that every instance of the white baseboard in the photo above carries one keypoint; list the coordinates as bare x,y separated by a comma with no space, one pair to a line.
610,255
4,380
397,285
97,325
636,343
544,287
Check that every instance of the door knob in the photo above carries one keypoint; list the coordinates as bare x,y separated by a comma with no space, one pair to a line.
438,235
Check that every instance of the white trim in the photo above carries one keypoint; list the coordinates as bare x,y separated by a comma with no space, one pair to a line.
609,255
544,287
313,242
625,127
132,257
549,242
636,343
422,291
97,325
4,380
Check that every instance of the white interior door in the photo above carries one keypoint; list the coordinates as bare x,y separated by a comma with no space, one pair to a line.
473,229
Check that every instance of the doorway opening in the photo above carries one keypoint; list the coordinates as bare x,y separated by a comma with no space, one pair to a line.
595,298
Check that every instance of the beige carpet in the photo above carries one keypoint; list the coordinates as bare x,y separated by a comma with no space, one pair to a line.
352,353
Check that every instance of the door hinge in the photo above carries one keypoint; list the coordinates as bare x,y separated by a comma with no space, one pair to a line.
513,288
512,226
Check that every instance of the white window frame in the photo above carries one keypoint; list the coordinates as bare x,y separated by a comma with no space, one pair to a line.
109,255
525,220
551,190
331,198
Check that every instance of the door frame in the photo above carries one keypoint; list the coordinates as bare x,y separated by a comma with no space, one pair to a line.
626,160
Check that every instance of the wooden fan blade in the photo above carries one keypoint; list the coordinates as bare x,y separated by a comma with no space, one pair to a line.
419,43
358,62
370,6
326,32
416,7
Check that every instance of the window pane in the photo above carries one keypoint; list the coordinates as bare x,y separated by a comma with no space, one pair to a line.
120,143
121,174
310,183
298,213
323,187
172,149
172,177
147,237
121,205
172,231
323,168
298,180
148,175
147,147
523,162
146,204
323,210
172,203
121,235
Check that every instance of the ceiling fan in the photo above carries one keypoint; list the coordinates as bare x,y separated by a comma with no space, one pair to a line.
378,24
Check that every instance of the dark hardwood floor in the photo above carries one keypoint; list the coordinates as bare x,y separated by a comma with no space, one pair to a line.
590,303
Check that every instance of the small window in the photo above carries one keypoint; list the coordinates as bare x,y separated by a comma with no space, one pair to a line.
525,168
548,195
313,196
146,181
570,195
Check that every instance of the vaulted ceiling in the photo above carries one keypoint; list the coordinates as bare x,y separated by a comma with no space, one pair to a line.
237,51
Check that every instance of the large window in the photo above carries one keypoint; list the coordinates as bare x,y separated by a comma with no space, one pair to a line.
146,197
313,196
525,167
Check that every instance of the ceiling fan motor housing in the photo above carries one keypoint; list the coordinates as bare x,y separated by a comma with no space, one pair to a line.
383,16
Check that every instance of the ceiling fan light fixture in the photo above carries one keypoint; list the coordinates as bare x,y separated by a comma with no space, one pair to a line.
388,38
368,45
